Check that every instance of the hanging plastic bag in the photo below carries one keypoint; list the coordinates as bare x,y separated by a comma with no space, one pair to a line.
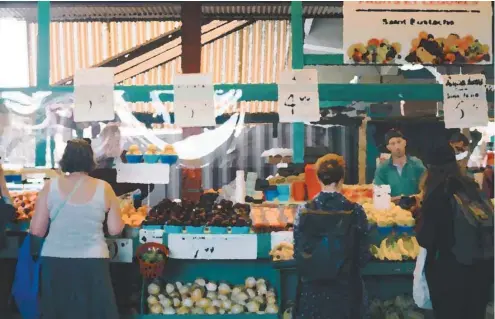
421,292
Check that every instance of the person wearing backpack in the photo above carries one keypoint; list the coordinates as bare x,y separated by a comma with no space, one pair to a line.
456,230
330,248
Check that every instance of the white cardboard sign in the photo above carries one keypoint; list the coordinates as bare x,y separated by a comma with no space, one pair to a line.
194,100
298,98
412,29
213,247
151,236
381,197
120,250
143,173
281,237
464,100
93,95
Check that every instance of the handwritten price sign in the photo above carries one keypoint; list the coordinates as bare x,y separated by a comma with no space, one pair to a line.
298,99
213,247
464,100
93,95
194,103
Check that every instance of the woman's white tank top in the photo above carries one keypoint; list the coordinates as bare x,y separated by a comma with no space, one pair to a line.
77,231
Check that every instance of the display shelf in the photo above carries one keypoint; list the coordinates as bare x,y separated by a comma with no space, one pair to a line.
226,316
373,268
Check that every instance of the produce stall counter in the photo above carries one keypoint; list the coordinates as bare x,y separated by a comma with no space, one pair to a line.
373,268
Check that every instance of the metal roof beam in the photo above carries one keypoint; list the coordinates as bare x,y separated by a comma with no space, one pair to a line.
175,52
145,51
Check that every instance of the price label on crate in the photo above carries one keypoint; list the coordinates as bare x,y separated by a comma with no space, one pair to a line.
151,236
143,173
120,250
381,197
213,247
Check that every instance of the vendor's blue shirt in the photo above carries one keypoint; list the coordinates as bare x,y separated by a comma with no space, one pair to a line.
404,183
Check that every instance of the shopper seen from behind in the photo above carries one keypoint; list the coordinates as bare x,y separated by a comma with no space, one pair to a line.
402,172
70,212
331,247
457,232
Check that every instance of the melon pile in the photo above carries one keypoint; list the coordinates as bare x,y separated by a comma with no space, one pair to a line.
24,204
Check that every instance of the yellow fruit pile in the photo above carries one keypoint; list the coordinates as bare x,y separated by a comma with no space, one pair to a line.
131,216
152,150
391,217
283,251
134,150
396,250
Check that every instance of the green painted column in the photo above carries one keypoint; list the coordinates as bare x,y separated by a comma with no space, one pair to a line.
297,26
43,58
43,70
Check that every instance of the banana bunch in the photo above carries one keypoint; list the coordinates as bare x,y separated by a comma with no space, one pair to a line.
393,216
396,250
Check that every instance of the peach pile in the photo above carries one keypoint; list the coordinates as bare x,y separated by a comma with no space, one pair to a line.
24,204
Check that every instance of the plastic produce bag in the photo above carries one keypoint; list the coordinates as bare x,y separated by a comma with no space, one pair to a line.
421,292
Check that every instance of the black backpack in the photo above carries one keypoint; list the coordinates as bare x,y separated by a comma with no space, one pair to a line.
473,229
326,245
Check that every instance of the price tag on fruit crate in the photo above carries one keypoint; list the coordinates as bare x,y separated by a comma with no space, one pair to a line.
143,173
151,236
120,250
381,197
213,247
281,237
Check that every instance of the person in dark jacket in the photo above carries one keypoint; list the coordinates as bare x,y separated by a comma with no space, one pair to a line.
344,296
457,291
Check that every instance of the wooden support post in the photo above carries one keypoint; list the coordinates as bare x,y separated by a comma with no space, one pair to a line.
191,181
297,26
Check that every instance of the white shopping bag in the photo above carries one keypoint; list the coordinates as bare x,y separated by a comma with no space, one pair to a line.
421,293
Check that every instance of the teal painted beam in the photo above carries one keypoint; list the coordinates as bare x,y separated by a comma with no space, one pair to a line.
297,27
323,59
269,92
42,69
43,57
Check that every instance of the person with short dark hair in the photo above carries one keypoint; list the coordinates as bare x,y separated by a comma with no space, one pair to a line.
330,248
70,212
402,172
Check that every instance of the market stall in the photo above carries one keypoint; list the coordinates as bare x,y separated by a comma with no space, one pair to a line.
229,251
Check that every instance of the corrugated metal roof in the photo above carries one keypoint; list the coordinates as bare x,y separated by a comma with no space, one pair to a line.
63,11
255,54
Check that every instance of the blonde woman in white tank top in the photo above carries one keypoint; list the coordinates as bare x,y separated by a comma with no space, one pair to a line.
75,275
